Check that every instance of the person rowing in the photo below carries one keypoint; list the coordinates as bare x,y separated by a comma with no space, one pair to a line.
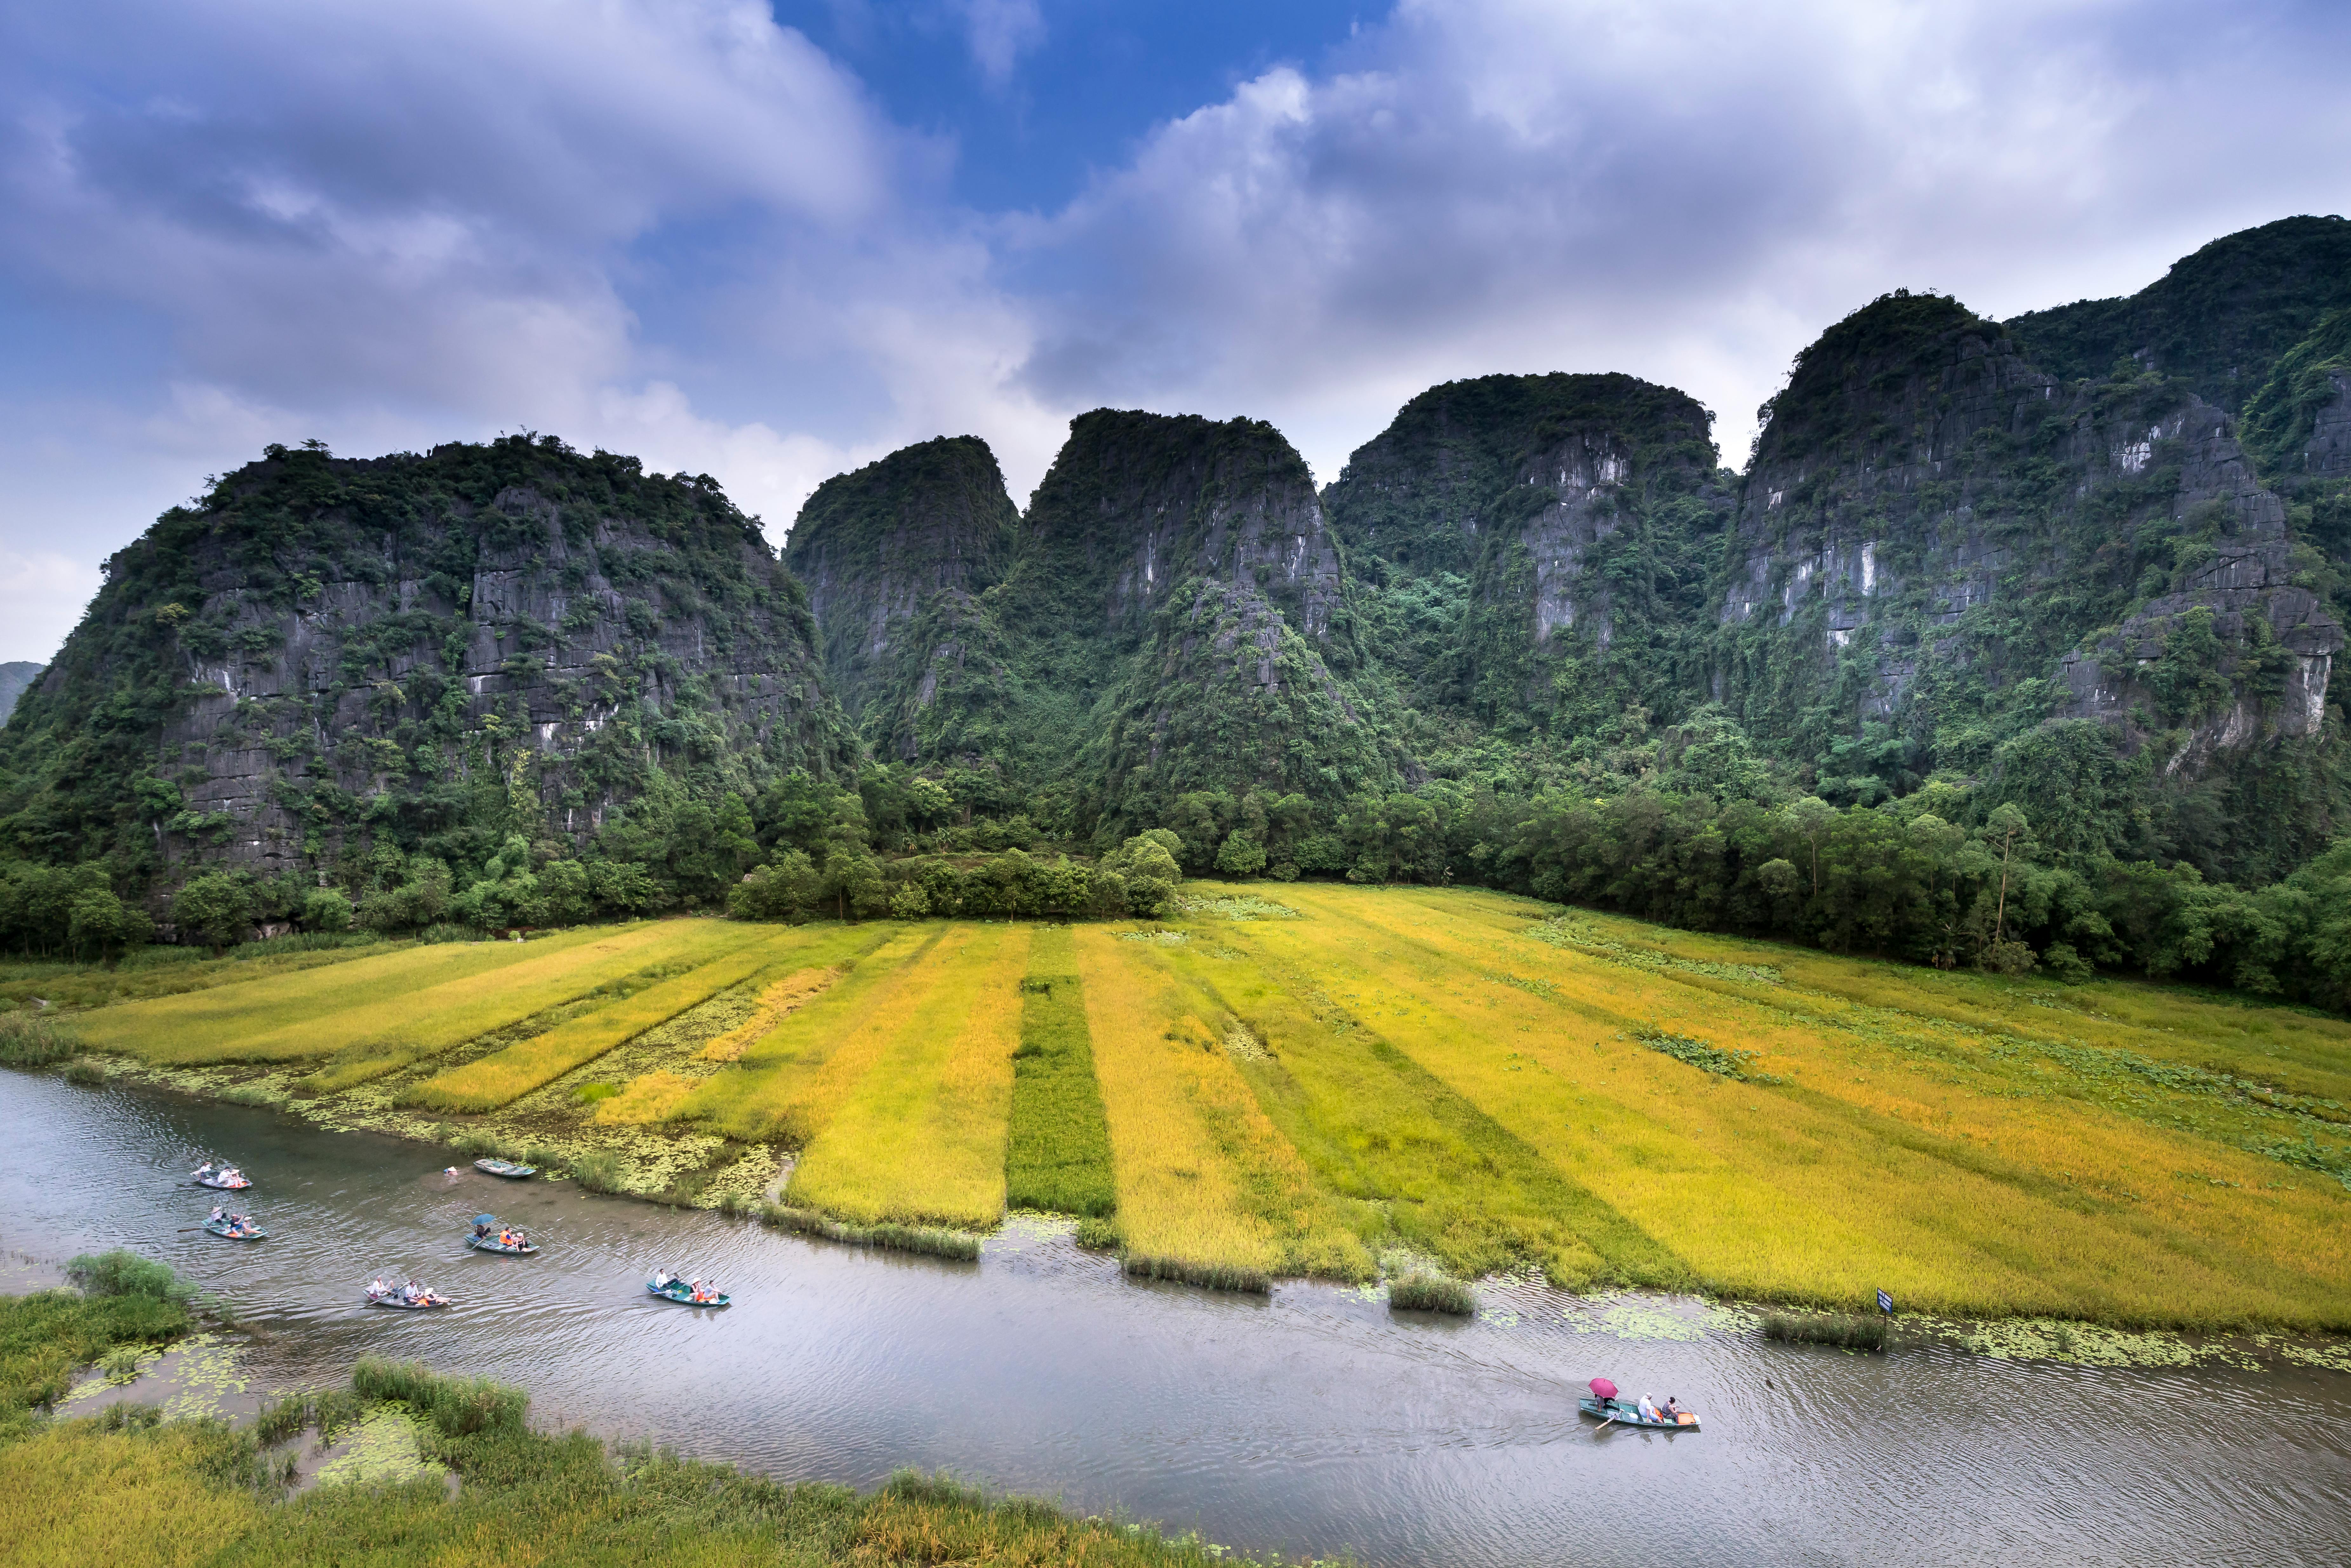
219,1214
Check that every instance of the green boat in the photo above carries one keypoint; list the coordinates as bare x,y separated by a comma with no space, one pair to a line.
1622,1413
505,1168
488,1233
235,1229
670,1289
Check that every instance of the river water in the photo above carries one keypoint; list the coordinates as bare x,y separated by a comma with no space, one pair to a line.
1313,1424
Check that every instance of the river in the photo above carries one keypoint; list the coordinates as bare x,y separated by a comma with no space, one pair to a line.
1312,1423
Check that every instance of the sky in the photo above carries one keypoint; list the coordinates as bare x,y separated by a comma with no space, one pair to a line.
774,242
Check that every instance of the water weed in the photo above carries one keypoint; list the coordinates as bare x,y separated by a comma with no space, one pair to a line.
928,1241
1848,1333
1431,1293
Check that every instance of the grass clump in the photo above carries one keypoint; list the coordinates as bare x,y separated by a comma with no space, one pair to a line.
596,1172
1099,1235
1425,1292
1056,1148
126,1274
457,1406
33,1040
1209,1276
1848,1332
126,1302
928,1241
85,1072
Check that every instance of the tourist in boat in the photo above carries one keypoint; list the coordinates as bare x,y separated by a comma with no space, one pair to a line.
1670,1410
219,1214
1648,1407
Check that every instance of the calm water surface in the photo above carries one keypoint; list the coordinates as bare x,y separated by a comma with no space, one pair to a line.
1311,1424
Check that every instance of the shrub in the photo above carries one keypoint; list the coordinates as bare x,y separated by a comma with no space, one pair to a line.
85,1072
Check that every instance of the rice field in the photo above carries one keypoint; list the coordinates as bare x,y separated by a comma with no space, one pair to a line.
1353,1082
920,1136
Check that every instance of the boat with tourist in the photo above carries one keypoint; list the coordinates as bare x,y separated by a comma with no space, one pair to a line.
670,1287
233,1226
408,1295
220,1176
489,1236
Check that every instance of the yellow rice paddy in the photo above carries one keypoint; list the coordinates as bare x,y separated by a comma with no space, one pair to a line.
920,1136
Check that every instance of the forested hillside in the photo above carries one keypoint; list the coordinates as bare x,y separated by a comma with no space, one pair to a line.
2014,645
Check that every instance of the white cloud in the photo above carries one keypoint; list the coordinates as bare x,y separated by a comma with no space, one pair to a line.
42,595
998,33
1689,190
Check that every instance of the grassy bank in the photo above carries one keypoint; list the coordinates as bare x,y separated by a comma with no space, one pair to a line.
1303,1083
129,1488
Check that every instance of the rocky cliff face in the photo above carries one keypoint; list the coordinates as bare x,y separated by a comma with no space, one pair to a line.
1935,533
878,548
330,650
1511,529
1172,614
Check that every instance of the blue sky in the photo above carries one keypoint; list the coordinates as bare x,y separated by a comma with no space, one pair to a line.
771,243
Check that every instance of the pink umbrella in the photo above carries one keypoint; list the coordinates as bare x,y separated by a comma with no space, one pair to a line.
1603,1389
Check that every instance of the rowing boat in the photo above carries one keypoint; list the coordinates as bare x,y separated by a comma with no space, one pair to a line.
484,1239
1624,1414
248,1232
682,1293
506,1168
227,1179
392,1298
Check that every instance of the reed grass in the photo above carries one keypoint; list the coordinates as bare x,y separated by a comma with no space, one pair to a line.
777,1002
649,1097
457,1406
506,1075
919,1137
85,1072
1057,1147
1425,1292
1854,1332
1206,1182
29,1038
930,1241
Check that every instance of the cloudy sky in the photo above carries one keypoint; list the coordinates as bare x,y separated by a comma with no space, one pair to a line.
772,241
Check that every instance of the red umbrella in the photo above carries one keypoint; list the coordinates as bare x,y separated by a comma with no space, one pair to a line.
1603,1389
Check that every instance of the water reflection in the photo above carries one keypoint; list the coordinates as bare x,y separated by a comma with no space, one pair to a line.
1309,1424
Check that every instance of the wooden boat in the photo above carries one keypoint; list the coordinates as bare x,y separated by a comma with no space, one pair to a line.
682,1293
1624,1412
484,1238
391,1297
220,1178
505,1168
230,1230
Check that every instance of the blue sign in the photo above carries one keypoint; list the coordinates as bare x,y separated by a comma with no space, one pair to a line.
1885,1304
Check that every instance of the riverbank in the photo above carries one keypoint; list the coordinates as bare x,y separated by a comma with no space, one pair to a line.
126,1486
1335,1082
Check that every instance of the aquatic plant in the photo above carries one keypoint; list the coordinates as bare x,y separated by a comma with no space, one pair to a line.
1431,1293
926,1240
33,1040
1099,1235
86,1072
458,1407
1851,1333
125,1273
1189,1271
596,1172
